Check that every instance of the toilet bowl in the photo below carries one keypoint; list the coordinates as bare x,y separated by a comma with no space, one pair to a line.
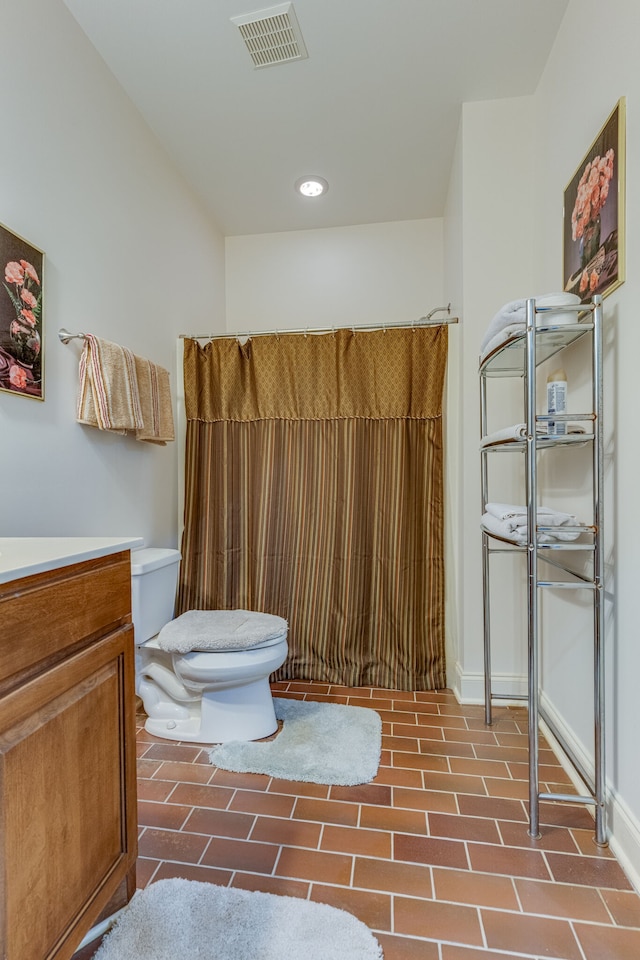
205,696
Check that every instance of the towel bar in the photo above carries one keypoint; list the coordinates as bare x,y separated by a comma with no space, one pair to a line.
65,336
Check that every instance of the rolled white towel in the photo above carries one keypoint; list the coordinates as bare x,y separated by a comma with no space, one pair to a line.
514,312
517,432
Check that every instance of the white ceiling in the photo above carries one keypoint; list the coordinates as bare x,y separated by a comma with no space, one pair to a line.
374,109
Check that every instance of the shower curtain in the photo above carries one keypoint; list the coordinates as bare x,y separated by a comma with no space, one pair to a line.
314,491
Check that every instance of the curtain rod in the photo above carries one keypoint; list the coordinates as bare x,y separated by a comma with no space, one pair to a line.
422,322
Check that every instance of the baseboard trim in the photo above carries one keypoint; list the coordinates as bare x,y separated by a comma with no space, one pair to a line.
469,687
623,827
624,838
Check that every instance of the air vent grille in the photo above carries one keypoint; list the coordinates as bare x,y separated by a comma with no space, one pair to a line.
272,36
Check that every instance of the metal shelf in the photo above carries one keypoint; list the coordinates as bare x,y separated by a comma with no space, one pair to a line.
542,441
509,359
569,546
519,356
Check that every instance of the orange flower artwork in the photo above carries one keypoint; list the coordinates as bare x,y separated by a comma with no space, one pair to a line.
21,302
593,243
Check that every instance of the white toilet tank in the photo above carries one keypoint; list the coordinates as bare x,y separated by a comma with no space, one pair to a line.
154,578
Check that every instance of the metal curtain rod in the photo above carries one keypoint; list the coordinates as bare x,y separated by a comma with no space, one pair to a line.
422,322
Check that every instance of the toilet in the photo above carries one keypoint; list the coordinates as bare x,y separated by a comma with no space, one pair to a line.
204,676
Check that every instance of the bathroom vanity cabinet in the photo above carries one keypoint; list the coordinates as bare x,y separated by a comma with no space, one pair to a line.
68,836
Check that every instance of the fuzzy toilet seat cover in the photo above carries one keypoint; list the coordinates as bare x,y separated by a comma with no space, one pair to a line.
218,630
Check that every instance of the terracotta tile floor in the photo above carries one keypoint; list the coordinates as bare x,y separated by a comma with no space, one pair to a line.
433,855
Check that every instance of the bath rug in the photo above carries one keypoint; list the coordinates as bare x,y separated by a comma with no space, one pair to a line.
318,743
190,920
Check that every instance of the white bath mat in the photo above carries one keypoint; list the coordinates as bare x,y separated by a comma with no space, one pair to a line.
318,743
189,920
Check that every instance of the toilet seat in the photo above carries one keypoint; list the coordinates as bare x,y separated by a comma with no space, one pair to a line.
154,645
229,668
220,630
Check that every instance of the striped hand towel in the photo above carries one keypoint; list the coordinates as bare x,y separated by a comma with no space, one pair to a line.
155,401
108,395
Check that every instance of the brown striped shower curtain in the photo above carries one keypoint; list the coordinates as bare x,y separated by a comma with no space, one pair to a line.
313,490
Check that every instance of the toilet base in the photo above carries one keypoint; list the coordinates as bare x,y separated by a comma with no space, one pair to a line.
239,713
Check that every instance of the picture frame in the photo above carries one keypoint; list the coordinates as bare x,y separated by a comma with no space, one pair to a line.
594,214
21,316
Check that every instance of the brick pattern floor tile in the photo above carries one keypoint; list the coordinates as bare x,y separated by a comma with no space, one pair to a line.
539,935
433,855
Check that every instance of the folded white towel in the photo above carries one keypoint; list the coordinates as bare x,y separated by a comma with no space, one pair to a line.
501,337
513,518
518,533
519,432
513,312
517,514
559,532
500,528
220,630
512,318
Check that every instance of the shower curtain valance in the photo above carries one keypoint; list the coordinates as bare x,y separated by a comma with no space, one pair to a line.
380,374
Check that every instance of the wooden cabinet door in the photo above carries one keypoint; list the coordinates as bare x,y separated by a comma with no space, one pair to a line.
68,835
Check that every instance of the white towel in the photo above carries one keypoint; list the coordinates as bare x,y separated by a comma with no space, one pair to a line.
501,337
517,432
512,318
513,518
514,312
500,528
517,514
518,533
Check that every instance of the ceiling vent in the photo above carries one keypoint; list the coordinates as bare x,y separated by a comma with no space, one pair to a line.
272,36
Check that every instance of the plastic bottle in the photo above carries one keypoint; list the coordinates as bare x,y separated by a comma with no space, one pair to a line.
557,400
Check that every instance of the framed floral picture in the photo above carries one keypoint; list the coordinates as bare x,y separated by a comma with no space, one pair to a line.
21,368
594,209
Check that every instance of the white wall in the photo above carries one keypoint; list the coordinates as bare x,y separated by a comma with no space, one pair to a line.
570,107
489,251
516,164
370,274
129,257
453,230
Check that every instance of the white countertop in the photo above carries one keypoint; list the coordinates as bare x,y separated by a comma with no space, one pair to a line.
23,556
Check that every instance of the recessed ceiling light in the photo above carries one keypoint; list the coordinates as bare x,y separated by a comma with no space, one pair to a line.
312,186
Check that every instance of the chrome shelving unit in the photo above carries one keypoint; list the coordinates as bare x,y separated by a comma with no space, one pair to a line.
519,356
